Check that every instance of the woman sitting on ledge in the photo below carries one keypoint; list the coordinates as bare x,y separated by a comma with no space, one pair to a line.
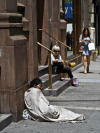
39,108
58,65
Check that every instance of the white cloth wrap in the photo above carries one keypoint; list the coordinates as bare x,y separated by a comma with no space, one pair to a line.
39,108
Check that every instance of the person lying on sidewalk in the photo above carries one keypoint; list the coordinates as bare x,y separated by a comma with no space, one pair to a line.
58,65
38,107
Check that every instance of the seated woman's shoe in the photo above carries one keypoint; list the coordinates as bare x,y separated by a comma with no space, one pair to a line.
75,85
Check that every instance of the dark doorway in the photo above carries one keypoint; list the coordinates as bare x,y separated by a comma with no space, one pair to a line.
69,31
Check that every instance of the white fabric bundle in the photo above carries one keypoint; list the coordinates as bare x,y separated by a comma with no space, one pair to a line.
39,109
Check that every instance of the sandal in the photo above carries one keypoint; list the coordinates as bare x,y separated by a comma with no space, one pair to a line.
85,72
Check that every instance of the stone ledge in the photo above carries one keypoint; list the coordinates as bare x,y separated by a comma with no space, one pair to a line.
10,25
5,120
58,87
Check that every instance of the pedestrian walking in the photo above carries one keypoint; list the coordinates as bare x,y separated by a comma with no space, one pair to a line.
84,39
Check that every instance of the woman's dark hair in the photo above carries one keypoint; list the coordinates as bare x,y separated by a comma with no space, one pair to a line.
83,35
34,82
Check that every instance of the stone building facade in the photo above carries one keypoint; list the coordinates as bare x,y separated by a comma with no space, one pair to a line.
97,23
20,55
13,60
43,15
87,16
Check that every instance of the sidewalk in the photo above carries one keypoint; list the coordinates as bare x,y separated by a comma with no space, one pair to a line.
86,81
83,99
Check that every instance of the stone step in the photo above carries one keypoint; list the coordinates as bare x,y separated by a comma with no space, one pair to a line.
57,85
45,79
42,70
5,120
57,88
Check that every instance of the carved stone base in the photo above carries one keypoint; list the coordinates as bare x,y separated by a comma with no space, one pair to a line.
12,101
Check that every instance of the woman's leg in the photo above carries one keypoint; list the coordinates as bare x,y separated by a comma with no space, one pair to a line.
61,76
88,63
60,67
68,70
85,63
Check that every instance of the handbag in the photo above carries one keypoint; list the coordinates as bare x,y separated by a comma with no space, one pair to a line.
91,46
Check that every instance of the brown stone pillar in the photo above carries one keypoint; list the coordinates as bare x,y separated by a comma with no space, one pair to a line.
51,24
47,20
13,60
8,6
63,25
56,19
76,24
58,26
32,47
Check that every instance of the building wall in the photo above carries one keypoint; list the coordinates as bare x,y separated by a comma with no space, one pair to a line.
32,47
97,23
87,16
19,53
46,16
51,24
13,60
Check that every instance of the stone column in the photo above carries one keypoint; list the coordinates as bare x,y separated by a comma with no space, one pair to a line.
58,26
63,25
13,60
56,19
76,25
46,27
31,34
51,24
32,47
8,6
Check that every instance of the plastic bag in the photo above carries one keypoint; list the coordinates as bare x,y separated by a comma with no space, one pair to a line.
76,81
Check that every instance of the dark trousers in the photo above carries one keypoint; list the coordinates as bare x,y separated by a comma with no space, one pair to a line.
58,67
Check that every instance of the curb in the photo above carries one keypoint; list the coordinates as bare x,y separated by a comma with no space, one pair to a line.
5,120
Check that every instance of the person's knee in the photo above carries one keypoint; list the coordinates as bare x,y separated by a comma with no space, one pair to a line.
85,60
61,64
69,69
60,67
